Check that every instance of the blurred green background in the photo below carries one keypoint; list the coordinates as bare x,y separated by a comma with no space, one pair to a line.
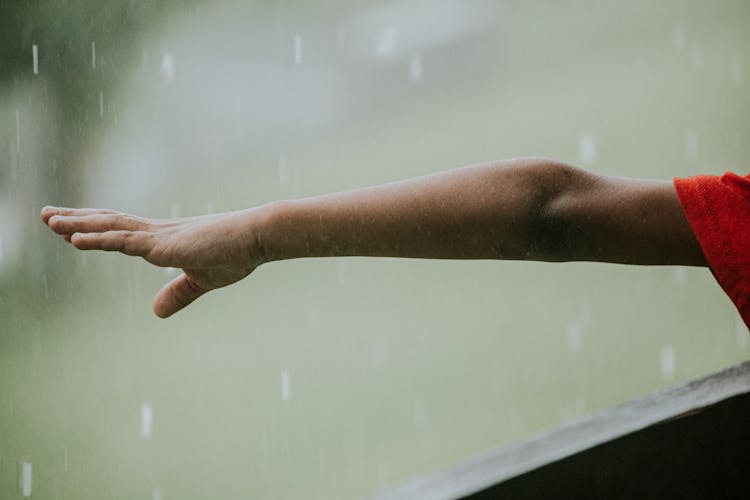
337,378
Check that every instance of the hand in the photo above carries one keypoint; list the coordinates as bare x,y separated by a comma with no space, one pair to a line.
212,250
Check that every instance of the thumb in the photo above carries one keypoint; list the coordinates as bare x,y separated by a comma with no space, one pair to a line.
175,295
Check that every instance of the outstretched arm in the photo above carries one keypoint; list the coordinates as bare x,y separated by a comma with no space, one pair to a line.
526,209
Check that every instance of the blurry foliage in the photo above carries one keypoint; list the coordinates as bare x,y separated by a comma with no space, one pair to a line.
63,31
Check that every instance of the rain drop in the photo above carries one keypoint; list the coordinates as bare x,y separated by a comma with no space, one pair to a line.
667,362
147,416
24,478
678,36
386,43
35,55
679,275
93,55
101,103
587,148
297,49
285,385
574,337
18,132
168,66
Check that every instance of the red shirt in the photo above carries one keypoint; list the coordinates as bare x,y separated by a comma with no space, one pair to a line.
718,209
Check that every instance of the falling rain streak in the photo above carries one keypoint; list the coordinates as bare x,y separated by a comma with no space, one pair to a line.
24,478
147,416
285,385
297,49
101,103
18,132
667,362
35,55
93,55
587,148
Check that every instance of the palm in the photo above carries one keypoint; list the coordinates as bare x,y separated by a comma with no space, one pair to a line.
213,250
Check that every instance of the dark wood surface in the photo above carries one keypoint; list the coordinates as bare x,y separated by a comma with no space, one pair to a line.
688,441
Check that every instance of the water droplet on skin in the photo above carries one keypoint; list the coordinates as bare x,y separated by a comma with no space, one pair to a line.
147,417
35,58
297,49
667,362
285,385
415,68
587,148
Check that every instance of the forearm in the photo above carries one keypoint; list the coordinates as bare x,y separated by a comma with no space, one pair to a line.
478,212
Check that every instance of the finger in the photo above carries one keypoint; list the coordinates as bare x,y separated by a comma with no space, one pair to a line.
95,223
48,212
175,295
137,243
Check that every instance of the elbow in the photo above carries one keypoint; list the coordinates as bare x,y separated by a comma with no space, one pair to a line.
549,224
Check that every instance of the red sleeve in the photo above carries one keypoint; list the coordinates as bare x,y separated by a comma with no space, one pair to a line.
718,209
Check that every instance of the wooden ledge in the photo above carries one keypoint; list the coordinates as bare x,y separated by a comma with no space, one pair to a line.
686,441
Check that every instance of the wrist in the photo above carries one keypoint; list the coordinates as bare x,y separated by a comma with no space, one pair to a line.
264,230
